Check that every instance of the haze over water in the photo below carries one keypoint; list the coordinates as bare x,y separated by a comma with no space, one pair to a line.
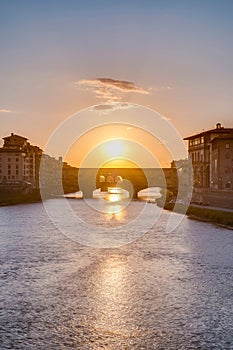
162,291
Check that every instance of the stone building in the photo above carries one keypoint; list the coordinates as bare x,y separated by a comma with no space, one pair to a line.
211,153
185,177
24,168
19,161
221,167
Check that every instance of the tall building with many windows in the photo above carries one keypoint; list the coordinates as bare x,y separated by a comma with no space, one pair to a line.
24,167
19,161
211,153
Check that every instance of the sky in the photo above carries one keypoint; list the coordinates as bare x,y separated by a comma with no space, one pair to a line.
60,57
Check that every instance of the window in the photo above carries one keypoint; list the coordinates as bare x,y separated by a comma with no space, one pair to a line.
102,178
227,155
214,145
227,145
215,165
9,159
17,172
9,172
202,158
16,159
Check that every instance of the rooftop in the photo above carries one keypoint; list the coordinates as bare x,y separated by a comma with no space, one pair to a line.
14,135
219,129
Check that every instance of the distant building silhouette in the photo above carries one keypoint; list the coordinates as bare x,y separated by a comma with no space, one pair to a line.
185,176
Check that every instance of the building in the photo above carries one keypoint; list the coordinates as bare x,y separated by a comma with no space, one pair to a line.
211,153
50,170
19,161
69,178
221,166
185,177
25,168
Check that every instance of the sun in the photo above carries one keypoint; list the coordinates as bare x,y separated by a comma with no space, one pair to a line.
115,148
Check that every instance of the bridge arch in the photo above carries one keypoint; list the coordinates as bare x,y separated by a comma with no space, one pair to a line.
150,193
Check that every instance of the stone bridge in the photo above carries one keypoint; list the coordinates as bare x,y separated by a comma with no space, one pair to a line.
90,179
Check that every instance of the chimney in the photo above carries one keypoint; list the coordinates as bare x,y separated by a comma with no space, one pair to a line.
218,126
12,134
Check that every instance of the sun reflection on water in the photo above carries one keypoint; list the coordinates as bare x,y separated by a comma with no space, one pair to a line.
114,197
112,296
114,211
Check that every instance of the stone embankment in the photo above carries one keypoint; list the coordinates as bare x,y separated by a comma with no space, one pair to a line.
220,216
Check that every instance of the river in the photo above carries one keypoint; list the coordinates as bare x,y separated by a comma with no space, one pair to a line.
159,291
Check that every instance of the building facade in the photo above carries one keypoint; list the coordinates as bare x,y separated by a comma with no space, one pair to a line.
211,153
19,161
24,168
185,177
221,166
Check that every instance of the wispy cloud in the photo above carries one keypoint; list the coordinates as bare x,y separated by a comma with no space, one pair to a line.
3,110
163,88
113,106
111,89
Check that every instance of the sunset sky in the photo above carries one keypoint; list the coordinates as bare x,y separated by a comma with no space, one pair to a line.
58,57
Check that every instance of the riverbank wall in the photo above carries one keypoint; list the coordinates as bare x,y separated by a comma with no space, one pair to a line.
212,215
214,198
11,198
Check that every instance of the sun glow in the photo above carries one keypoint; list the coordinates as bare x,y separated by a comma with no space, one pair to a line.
115,148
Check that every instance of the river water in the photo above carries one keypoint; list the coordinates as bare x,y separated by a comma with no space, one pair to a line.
161,291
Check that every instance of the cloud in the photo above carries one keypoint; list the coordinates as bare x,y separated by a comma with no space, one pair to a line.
161,89
111,89
102,107
105,108
2,110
